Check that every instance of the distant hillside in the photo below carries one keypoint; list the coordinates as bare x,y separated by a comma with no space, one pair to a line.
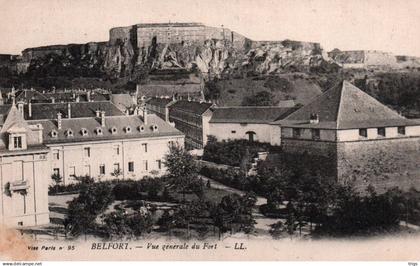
298,87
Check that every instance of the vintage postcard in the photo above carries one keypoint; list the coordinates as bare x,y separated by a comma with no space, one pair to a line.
156,130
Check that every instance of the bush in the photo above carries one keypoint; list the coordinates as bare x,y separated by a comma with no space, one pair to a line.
232,152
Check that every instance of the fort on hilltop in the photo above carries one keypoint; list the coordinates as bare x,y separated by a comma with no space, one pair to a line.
143,35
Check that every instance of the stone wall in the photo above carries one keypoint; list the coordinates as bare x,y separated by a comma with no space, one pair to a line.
314,157
382,163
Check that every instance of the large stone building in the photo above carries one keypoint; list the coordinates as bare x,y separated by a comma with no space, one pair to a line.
363,59
73,143
143,35
352,138
248,122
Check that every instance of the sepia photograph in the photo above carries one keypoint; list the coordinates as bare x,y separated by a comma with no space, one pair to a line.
209,130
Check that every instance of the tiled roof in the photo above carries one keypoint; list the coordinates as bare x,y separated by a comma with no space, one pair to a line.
80,109
346,106
191,106
91,124
249,114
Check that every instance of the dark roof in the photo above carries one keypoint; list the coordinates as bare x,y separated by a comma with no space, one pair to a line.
161,102
249,114
26,95
78,109
92,123
192,107
346,106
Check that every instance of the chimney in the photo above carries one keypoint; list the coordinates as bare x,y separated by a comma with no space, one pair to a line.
59,120
88,96
20,107
98,113
103,119
30,109
314,119
77,98
166,114
145,115
52,99
68,110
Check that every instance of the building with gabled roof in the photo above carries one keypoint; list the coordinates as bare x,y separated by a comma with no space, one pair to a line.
102,147
353,138
24,169
248,122
190,117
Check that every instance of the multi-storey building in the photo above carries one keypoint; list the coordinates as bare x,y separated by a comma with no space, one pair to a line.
190,117
103,147
24,172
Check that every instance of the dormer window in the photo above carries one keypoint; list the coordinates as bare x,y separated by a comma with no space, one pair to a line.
84,132
113,130
17,142
141,128
69,133
127,129
99,131
154,128
54,134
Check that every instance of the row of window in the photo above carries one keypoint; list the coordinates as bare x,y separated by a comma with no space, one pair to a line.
381,131
87,153
116,168
363,132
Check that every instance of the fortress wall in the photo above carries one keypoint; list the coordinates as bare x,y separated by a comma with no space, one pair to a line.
378,58
382,163
120,33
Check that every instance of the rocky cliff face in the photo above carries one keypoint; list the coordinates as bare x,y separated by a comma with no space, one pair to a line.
213,58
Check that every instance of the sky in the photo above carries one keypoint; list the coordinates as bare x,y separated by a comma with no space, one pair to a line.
387,25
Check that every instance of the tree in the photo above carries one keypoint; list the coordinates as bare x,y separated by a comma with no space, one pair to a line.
262,98
57,178
182,169
277,229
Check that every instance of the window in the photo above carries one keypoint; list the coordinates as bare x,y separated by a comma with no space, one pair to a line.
102,169
56,155
99,131
56,171
381,131
54,134
401,130
144,147
127,129
69,133
233,131
117,150
84,132
130,166
296,132
159,164
17,142
363,132
316,133
116,167
72,171
145,166
86,152
114,130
